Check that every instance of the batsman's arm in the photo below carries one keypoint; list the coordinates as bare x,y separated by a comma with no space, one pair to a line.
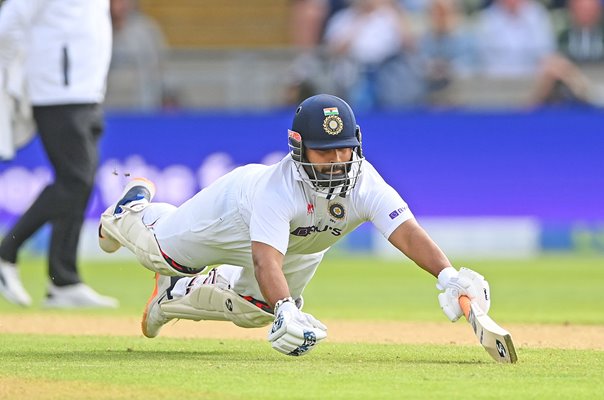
411,239
268,264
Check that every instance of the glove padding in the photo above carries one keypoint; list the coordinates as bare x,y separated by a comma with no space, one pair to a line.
465,282
294,332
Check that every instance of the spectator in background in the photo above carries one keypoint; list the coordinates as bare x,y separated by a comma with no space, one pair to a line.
580,44
448,49
136,74
308,74
415,7
514,38
582,41
67,45
561,82
309,19
372,49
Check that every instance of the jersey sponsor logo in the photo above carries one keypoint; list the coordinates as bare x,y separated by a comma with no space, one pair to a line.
337,210
333,125
397,212
304,231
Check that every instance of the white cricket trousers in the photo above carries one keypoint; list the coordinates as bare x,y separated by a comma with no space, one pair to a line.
212,248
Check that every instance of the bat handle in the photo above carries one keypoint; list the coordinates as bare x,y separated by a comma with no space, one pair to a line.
464,303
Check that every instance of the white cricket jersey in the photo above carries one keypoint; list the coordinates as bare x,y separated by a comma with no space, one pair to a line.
271,204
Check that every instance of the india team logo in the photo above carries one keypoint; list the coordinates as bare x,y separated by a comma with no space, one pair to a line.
333,124
336,210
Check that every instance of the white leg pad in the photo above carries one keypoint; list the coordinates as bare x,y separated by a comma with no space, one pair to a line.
210,302
128,229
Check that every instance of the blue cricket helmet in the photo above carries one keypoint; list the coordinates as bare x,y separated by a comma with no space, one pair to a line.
326,122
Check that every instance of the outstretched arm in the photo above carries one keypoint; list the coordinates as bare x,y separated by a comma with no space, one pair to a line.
268,263
414,242
293,332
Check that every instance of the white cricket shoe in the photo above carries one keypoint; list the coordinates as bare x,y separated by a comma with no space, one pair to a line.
78,295
10,285
137,191
153,317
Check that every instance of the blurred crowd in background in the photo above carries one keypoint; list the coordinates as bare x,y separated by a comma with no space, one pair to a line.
376,54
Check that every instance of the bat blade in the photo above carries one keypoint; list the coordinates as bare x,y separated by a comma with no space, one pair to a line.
496,340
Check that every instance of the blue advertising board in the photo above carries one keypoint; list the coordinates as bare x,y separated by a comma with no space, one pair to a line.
545,164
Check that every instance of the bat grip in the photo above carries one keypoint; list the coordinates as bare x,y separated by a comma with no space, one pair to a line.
464,303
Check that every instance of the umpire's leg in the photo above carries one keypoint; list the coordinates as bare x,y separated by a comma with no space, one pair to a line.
70,135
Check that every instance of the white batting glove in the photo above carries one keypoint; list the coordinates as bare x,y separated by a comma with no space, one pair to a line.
465,282
294,332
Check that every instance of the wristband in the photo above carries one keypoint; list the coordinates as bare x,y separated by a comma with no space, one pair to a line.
445,276
280,302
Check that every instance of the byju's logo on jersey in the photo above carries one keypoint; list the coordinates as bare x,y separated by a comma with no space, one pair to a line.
304,231
397,212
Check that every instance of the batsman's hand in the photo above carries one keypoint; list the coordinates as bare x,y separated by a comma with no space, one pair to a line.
465,282
294,332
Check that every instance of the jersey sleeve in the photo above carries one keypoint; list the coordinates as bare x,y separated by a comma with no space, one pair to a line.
382,205
270,219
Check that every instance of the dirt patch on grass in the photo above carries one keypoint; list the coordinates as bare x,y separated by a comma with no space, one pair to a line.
541,336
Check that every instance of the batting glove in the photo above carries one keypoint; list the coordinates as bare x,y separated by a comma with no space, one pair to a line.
465,282
294,332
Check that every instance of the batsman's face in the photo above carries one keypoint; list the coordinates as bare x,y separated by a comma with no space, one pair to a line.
330,161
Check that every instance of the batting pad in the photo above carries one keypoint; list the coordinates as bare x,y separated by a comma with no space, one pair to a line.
128,229
209,302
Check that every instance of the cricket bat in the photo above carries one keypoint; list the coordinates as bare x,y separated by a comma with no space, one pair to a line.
496,340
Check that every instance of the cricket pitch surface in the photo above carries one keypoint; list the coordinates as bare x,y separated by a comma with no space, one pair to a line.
566,336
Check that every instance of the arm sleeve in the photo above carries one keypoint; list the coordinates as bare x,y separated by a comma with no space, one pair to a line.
16,18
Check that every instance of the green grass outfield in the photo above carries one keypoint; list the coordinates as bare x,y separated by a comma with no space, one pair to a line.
558,289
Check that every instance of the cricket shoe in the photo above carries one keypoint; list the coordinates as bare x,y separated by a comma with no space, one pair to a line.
77,295
10,285
153,317
136,195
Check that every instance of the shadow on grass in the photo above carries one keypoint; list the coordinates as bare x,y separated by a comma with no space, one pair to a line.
226,356
448,362
114,354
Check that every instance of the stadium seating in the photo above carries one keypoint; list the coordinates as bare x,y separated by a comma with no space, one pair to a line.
221,24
